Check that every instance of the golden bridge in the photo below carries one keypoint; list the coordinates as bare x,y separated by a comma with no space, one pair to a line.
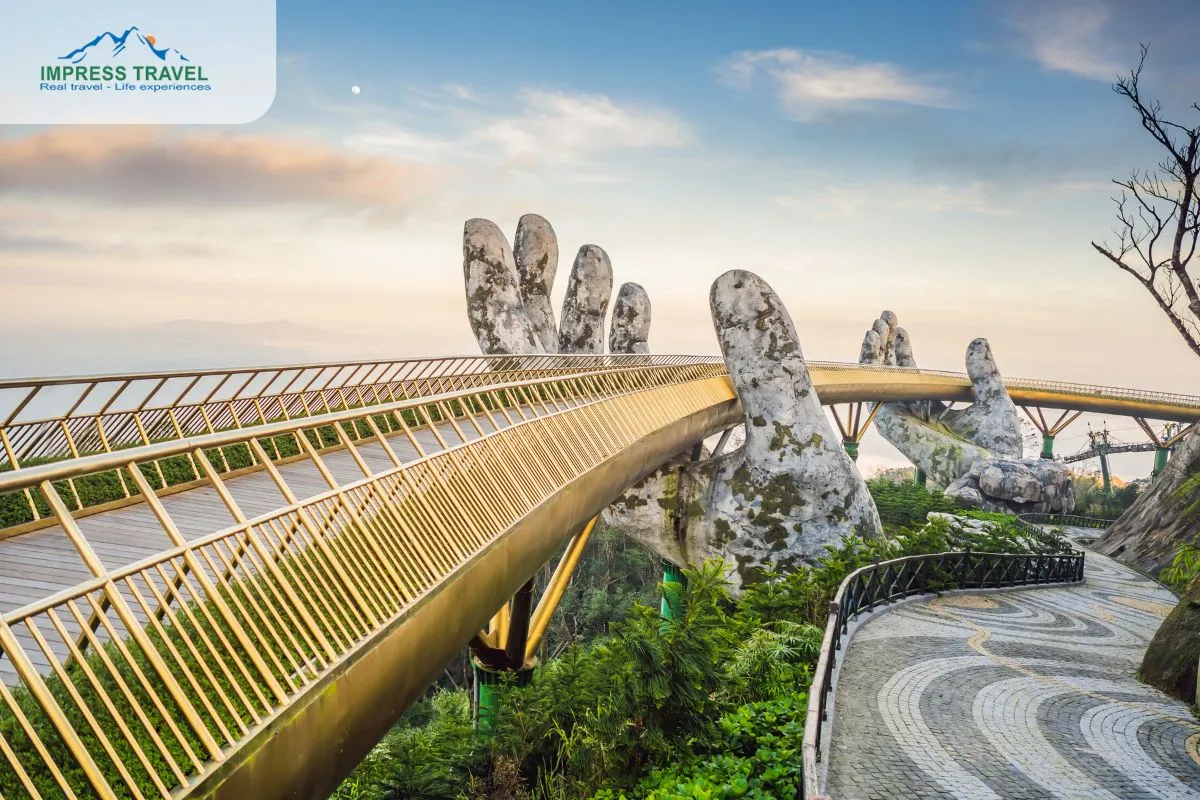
231,583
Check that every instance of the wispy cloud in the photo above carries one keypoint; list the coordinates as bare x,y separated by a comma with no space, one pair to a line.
537,126
559,126
146,166
809,83
1070,37
458,91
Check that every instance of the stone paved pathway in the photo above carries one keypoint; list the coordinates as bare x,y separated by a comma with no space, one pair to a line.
1022,695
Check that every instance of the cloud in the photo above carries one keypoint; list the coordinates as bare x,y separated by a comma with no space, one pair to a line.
809,83
535,127
1098,39
460,92
1070,38
147,166
559,126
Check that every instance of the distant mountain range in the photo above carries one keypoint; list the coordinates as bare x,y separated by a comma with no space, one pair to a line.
132,47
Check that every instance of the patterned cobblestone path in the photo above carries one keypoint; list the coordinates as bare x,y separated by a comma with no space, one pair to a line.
1019,695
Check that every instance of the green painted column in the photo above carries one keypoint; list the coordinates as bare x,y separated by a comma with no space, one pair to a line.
672,576
1161,454
1104,472
487,697
1048,445
489,688
851,448
920,478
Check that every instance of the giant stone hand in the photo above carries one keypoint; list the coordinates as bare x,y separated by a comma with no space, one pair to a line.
766,507
942,441
974,453
788,491
508,294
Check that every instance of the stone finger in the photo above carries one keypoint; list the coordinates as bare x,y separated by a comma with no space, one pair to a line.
494,306
581,329
903,347
872,348
535,249
630,329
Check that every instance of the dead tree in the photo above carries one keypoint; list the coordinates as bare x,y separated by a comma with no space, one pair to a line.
1158,214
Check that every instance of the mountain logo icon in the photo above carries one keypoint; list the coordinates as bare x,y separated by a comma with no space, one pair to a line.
132,46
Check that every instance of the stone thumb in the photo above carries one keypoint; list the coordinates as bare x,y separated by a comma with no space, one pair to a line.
984,374
762,353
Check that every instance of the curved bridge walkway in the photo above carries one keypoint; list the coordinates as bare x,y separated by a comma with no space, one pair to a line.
1020,695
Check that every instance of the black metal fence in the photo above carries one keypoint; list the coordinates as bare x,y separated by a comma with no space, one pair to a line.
886,581
1069,520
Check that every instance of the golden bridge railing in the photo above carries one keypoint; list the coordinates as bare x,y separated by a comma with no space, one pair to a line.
102,413
1181,401
106,413
140,681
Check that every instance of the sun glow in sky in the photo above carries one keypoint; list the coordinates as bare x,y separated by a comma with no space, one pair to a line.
950,162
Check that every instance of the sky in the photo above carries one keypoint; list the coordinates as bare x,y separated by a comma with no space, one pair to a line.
949,161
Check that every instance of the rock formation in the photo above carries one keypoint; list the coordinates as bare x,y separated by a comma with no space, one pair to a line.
773,503
508,294
1028,485
1152,529
1146,537
973,453
788,491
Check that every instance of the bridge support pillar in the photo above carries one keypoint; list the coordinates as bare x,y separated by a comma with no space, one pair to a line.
1161,454
509,646
500,653
673,582
1104,473
1047,445
1048,429
855,425
489,690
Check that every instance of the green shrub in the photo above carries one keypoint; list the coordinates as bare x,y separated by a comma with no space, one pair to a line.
907,504
754,754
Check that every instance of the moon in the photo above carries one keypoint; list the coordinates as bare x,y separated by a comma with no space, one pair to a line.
355,89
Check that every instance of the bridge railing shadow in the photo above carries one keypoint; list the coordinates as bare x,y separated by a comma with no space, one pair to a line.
888,581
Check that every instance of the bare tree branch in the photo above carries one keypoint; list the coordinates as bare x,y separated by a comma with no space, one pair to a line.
1152,208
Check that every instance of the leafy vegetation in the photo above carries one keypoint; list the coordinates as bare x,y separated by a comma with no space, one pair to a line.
906,504
1092,501
709,704
1186,564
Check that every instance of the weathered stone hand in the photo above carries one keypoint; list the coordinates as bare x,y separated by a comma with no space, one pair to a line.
973,453
508,294
788,491
942,441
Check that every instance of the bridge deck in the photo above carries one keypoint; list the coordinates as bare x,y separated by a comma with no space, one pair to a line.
41,563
